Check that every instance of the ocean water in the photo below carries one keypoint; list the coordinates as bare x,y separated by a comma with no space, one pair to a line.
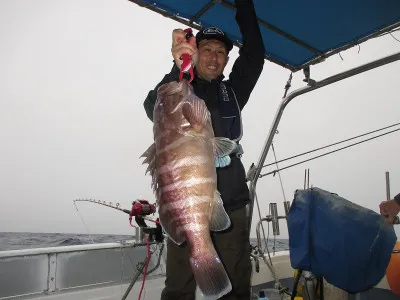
29,240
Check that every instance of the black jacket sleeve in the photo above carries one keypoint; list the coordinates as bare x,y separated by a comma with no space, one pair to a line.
249,65
397,199
151,98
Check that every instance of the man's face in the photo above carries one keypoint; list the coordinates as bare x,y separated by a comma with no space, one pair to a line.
212,59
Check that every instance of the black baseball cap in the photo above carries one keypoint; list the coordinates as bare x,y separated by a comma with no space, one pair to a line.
214,33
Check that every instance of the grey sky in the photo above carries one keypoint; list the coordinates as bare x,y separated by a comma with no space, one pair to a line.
73,78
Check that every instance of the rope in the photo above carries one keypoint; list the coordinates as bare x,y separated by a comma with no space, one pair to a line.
262,227
145,268
334,144
330,152
269,263
279,174
158,261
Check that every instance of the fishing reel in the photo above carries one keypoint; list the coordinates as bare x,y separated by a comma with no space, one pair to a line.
140,209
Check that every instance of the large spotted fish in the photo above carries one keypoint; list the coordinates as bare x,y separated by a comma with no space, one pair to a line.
182,161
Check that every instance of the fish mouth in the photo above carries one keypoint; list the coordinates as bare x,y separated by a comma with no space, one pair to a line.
184,89
170,88
173,95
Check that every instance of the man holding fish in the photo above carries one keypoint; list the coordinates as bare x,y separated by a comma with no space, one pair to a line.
198,177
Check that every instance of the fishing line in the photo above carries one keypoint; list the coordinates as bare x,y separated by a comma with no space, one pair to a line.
84,223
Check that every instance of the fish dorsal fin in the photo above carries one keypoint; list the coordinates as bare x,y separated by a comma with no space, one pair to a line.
149,157
196,112
219,218
150,153
222,147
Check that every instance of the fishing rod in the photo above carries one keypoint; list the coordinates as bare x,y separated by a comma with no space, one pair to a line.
140,210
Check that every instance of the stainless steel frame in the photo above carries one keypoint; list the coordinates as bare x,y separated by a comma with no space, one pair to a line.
312,85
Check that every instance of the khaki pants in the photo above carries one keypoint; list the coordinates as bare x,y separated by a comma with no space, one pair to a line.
233,248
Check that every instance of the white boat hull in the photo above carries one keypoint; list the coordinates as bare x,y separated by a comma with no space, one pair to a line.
104,271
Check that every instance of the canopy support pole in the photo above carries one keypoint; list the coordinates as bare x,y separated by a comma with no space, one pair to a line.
312,85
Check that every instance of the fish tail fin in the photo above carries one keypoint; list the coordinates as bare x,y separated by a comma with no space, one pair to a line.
210,275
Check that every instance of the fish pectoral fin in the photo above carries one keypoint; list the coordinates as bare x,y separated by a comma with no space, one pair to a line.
195,112
222,147
220,162
219,218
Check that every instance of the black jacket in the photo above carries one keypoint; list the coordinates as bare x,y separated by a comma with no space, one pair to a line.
242,79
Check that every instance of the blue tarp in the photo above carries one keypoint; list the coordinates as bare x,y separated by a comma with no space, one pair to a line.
294,32
332,237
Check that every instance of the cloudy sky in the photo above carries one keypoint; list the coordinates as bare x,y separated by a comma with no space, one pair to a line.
73,78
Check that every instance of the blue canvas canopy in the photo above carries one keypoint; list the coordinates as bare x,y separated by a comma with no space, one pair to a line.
295,33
